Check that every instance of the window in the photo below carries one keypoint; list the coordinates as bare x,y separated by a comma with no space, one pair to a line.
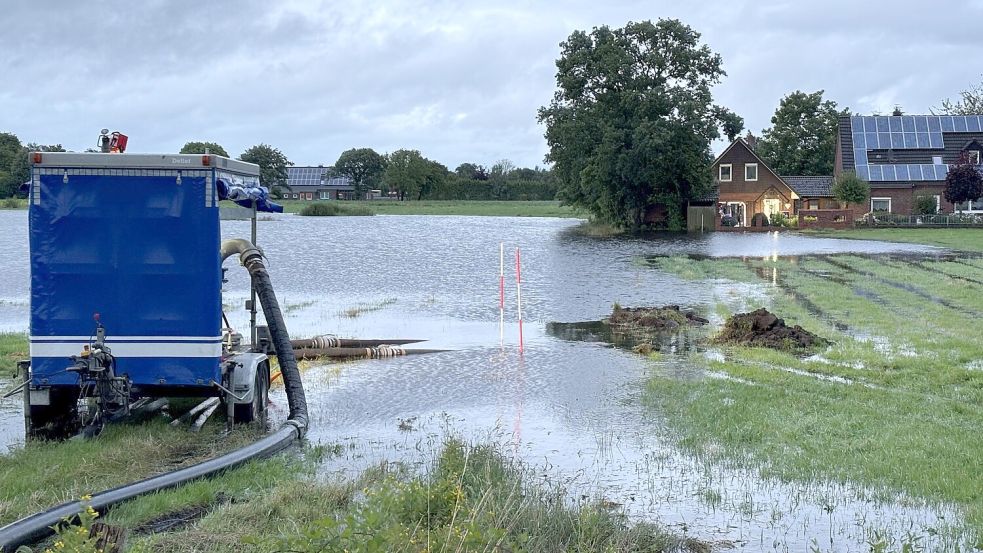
725,172
812,204
296,196
324,194
975,207
750,171
309,195
880,204
974,156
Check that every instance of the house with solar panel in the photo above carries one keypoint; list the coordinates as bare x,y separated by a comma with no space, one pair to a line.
907,156
313,183
748,193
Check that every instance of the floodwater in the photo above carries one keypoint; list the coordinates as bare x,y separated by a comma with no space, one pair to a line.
568,405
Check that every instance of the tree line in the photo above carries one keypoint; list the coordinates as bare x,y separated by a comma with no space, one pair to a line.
405,173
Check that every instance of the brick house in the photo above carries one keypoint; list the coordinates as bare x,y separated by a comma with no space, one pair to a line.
907,156
745,186
312,183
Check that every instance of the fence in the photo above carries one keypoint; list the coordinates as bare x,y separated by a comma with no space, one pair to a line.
941,220
825,218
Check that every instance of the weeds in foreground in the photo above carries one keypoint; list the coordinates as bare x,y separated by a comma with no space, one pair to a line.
472,499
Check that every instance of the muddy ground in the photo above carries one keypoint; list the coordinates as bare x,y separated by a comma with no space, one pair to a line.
761,328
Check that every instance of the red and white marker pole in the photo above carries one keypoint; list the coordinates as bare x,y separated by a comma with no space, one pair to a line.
501,294
518,292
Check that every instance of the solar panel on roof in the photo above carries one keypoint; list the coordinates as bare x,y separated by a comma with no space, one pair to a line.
878,132
902,172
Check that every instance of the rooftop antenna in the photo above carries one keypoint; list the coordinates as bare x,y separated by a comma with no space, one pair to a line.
897,110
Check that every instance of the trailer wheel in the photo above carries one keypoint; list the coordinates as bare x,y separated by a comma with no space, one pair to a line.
256,409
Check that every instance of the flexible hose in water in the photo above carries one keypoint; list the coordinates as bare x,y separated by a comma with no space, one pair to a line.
38,526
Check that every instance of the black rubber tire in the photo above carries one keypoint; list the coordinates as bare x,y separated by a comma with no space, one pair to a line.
256,409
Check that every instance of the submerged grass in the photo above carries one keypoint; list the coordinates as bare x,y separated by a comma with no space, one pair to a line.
363,308
473,498
895,404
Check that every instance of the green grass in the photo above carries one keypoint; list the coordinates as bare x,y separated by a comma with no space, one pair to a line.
965,239
460,207
13,203
328,209
13,348
472,499
907,417
41,475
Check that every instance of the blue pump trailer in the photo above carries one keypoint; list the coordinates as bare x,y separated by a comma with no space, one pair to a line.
126,279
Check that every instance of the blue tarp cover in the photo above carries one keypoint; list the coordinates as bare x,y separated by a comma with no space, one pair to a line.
245,194
142,252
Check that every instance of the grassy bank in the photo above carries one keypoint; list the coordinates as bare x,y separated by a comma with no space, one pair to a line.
13,348
476,208
964,239
471,499
895,404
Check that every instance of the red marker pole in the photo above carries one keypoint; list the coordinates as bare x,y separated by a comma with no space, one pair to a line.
501,294
518,293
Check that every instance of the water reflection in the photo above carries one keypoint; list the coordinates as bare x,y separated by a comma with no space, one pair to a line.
570,406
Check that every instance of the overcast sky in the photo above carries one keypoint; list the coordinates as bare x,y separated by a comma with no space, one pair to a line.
459,81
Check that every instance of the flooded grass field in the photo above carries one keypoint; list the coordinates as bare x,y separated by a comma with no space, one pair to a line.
870,444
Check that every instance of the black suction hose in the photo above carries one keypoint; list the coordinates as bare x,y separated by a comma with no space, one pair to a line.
38,526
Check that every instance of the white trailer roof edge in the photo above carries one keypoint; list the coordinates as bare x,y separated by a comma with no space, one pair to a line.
142,161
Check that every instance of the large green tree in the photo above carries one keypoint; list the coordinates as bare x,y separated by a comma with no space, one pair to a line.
471,171
631,122
14,167
202,147
731,124
272,165
802,138
364,166
436,175
406,173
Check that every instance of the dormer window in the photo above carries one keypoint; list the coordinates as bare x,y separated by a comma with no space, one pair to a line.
974,156
725,172
750,172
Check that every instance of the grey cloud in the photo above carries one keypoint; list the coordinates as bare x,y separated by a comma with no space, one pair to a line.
460,81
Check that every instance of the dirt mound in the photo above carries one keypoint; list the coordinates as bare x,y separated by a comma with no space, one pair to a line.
761,328
655,318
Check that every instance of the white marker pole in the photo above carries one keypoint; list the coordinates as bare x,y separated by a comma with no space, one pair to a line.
501,294
518,293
